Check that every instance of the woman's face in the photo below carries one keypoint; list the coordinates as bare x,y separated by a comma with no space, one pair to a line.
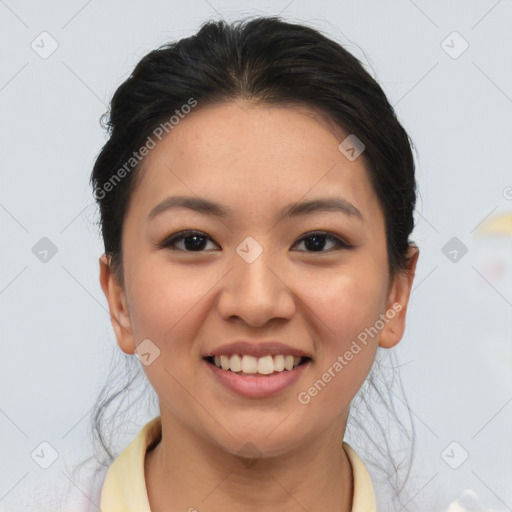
255,275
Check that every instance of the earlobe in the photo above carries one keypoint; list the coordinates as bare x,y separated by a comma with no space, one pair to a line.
398,300
119,314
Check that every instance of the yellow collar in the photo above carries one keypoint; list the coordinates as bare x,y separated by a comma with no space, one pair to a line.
124,487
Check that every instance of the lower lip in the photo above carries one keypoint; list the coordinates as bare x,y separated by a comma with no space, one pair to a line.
258,386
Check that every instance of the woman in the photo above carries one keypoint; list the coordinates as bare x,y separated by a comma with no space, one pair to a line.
256,197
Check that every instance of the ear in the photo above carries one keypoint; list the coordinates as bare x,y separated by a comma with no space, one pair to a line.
119,314
398,299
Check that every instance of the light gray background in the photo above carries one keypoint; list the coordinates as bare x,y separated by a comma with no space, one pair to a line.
56,336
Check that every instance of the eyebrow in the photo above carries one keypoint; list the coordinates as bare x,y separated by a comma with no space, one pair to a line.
207,207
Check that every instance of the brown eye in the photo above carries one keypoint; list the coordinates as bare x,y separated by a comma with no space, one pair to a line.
315,242
193,241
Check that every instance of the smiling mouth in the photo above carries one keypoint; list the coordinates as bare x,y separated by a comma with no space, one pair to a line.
257,366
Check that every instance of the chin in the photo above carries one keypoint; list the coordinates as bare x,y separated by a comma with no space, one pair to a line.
258,444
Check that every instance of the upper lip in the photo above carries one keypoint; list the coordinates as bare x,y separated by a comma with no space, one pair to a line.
257,349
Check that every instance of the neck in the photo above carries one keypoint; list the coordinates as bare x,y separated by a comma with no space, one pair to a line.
186,472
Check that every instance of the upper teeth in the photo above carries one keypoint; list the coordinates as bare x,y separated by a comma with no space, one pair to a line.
250,364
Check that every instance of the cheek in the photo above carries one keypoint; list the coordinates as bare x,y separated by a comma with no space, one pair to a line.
344,307
166,308
166,304
343,302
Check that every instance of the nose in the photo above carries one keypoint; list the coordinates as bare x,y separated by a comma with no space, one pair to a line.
255,292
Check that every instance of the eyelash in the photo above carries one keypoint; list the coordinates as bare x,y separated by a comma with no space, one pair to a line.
173,239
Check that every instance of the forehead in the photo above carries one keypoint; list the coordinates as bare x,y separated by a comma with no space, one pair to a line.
254,158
